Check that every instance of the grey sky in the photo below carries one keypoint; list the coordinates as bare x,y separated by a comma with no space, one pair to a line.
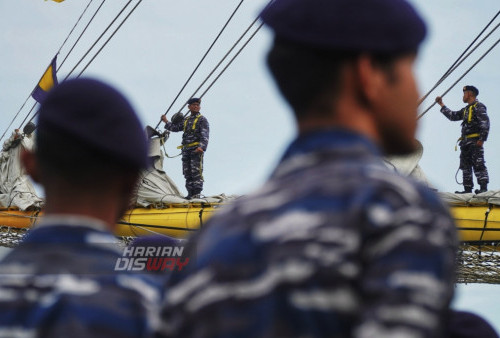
158,47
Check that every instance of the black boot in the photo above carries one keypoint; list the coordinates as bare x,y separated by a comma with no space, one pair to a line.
483,188
189,195
467,190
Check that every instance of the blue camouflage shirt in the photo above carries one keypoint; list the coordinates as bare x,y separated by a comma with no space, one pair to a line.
195,130
474,119
60,282
333,245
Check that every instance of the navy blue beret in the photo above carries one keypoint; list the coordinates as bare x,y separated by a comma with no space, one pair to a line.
194,100
472,89
468,325
378,26
97,115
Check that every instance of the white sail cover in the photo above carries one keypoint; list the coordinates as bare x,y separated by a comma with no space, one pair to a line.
408,165
16,189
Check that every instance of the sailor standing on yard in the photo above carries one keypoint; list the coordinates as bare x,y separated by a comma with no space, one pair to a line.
475,129
195,136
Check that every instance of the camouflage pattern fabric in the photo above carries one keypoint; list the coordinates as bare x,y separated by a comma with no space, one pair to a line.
192,168
333,245
472,158
60,282
192,138
475,126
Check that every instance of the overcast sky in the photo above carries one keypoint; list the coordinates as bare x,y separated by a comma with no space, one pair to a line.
155,51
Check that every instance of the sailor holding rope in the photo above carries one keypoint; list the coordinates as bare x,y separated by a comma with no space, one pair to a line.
195,136
475,129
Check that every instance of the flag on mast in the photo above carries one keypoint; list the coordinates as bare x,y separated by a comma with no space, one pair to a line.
46,83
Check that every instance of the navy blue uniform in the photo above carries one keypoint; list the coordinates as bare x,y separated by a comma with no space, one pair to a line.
60,282
475,127
195,134
333,245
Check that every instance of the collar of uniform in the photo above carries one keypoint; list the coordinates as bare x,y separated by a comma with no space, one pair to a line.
327,139
72,221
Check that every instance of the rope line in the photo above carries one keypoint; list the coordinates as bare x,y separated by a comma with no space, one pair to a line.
223,59
15,117
231,61
203,58
100,49
72,29
84,30
27,98
461,58
98,39
486,214
156,226
461,77
113,34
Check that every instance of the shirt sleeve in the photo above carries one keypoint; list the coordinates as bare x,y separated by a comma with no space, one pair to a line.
452,115
174,126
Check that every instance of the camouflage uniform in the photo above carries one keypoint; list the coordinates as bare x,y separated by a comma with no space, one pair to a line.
196,133
333,245
60,282
475,126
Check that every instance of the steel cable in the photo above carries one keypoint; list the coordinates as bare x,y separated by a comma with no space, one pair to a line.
203,58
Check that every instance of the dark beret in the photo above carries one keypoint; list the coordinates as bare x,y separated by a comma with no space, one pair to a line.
194,100
472,89
379,26
97,115
468,325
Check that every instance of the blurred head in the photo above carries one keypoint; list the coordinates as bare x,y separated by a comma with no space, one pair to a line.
89,139
324,49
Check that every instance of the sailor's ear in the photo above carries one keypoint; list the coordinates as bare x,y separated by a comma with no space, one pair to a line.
29,162
371,78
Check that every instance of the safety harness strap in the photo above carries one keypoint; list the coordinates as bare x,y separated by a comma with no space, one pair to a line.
188,145
467,137
194,123
469,117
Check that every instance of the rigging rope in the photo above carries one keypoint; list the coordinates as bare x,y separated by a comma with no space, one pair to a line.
461,77
225,56
98,39
29,113
231,61
84,30
113,34
202,59
102,47
72,29
459,60
25,101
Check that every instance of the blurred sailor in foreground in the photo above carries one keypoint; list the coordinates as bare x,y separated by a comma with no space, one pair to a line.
60,281
334,244
475,129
